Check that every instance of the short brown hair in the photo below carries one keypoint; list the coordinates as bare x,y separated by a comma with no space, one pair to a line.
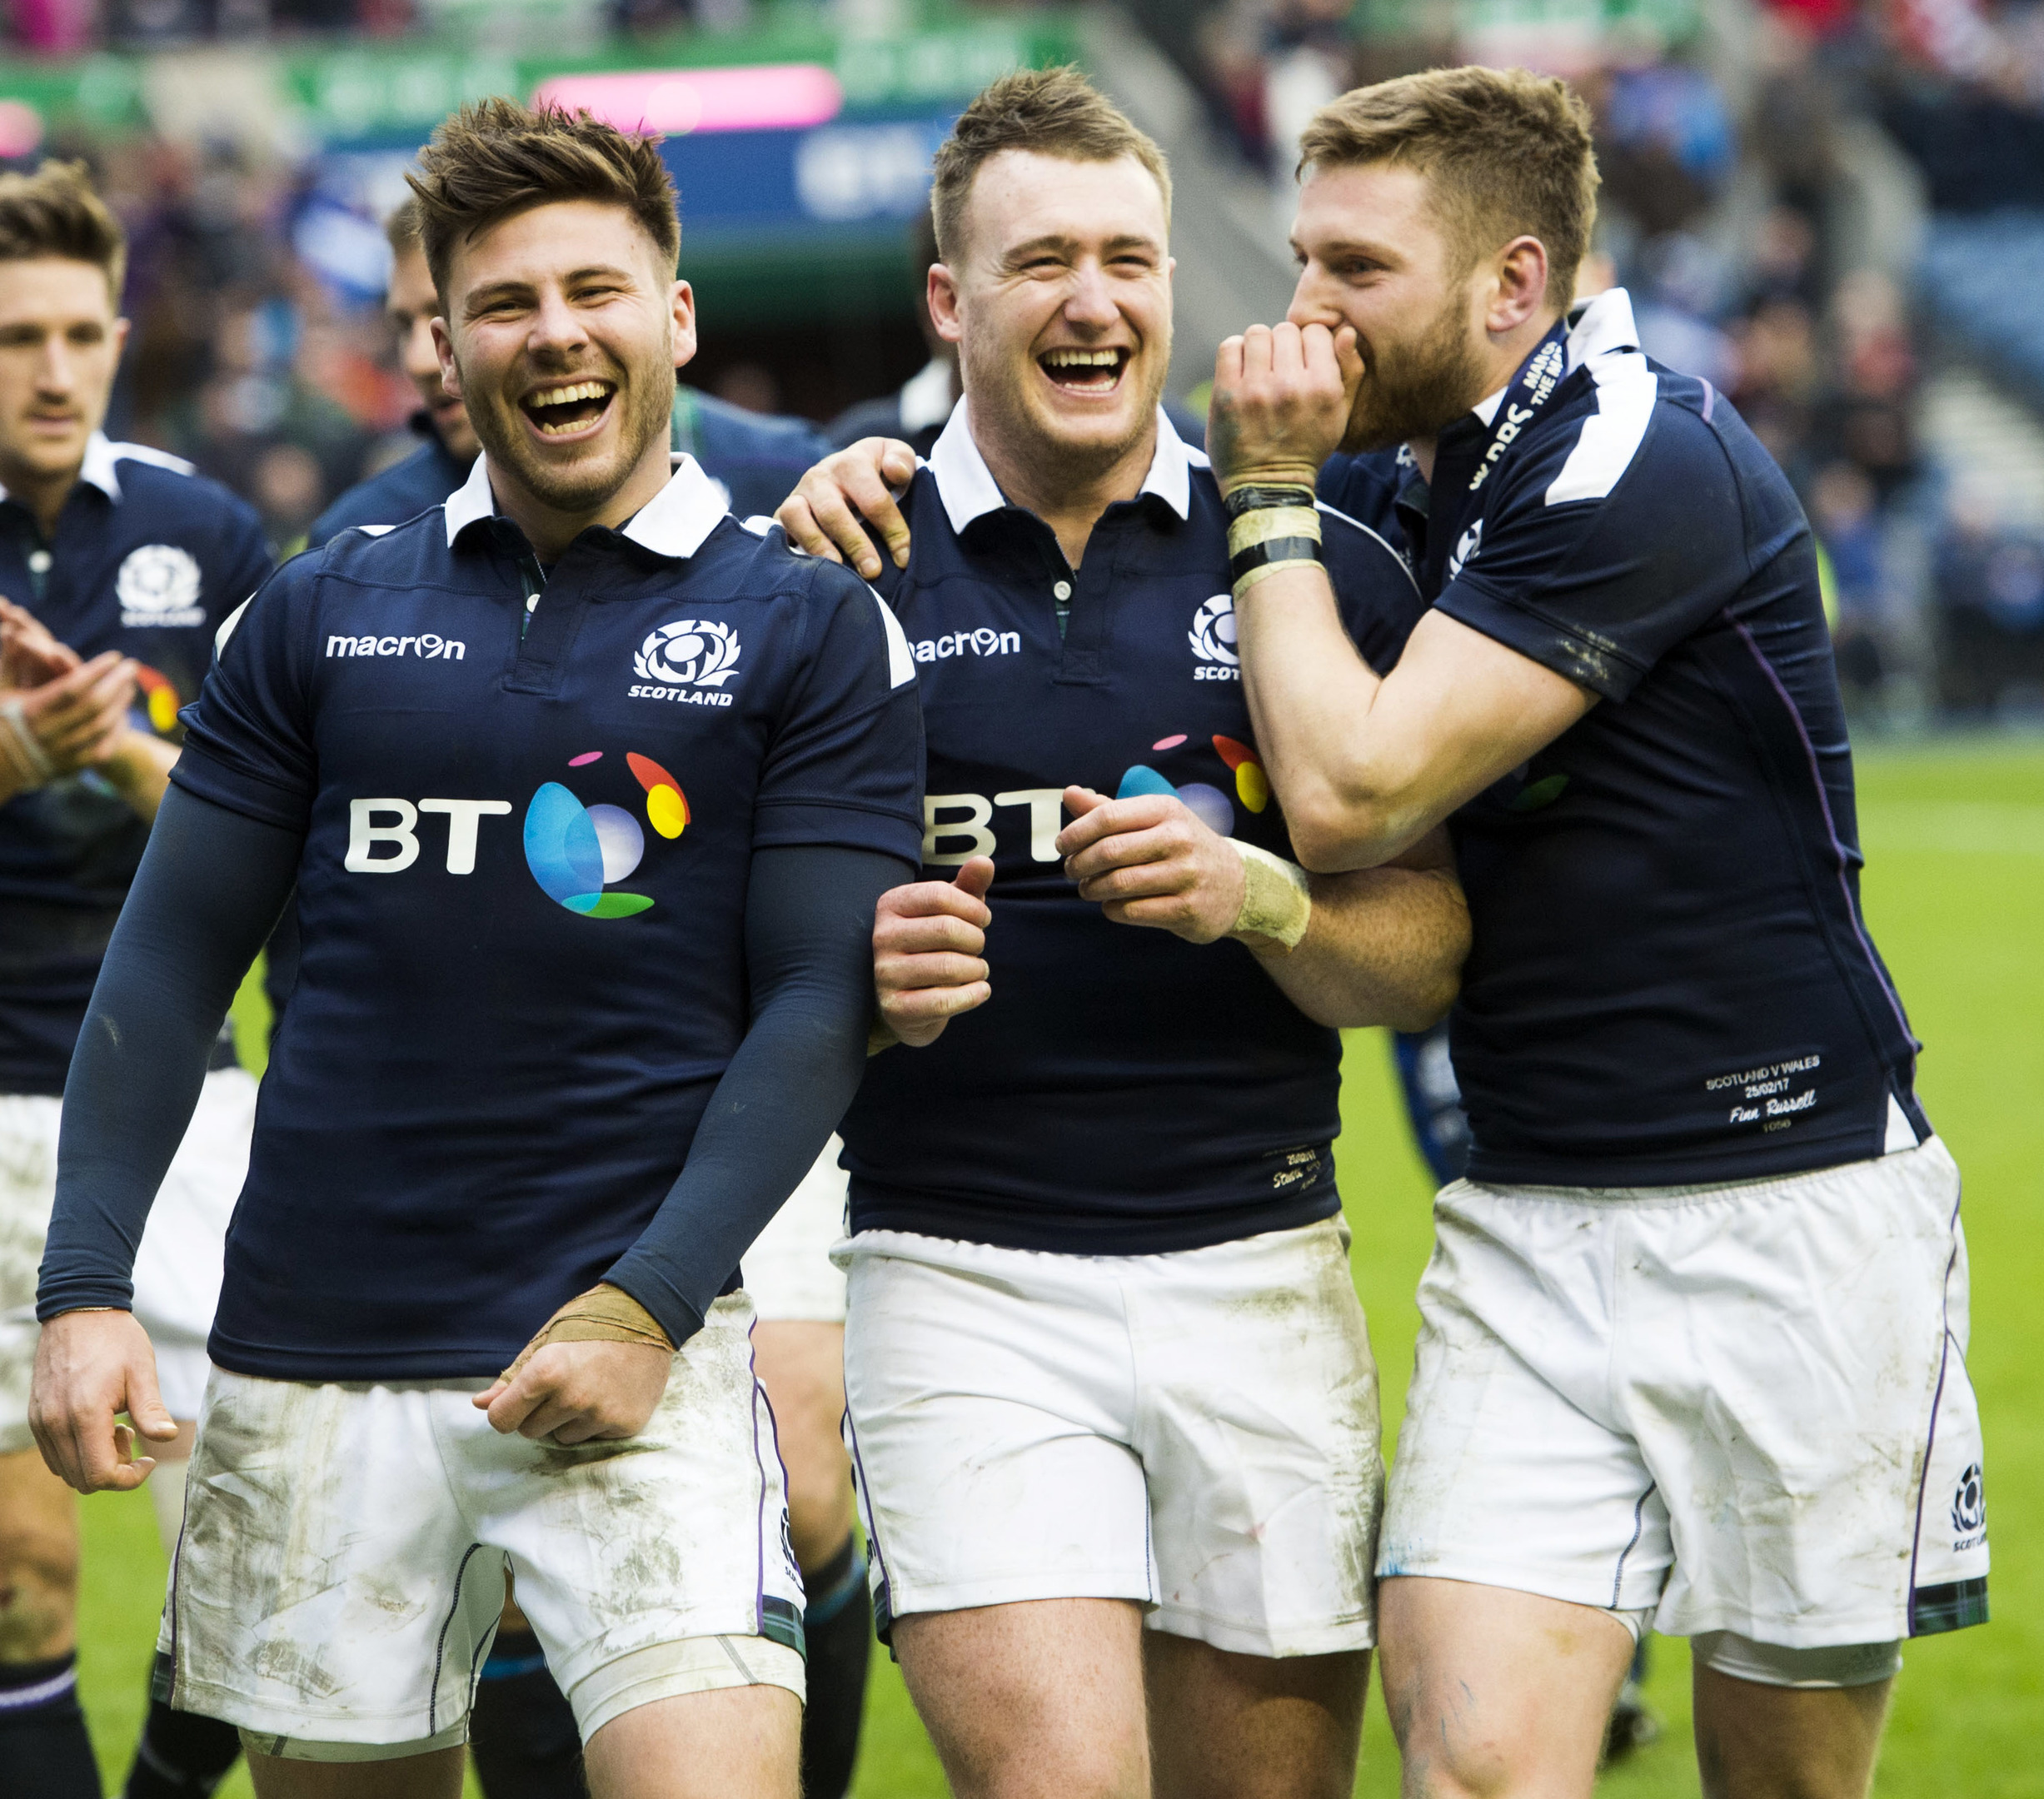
54,212
401,229
495,158
1053,113
1506,152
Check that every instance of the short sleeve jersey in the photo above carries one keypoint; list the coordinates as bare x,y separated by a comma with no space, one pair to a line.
522,890
148,558
1671,981
1124,1092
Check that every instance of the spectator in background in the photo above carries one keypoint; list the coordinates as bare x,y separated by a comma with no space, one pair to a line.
1848,530
1989,585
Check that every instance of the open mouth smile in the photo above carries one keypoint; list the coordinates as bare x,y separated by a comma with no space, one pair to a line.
1095,373
569,408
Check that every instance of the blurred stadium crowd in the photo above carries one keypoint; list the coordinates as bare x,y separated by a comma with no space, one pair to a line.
1826,207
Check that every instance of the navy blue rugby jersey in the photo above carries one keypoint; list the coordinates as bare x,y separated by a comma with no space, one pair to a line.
402,491
1671,981
148,558
522,897
1124,1092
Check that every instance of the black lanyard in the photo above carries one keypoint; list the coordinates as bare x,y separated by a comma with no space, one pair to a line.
1529,389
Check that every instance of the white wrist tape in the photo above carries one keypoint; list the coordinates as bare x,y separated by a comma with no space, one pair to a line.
1277,900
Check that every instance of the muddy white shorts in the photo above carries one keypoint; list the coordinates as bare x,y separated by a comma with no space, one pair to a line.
343,1564
788,1271
1738,1408
1196,1431
177,1267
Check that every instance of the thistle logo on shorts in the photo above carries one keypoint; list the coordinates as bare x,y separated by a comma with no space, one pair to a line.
576,851
1969,1507
679,660
1213,639
158,585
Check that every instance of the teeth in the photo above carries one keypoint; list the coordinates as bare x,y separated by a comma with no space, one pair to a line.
588,390
1083,358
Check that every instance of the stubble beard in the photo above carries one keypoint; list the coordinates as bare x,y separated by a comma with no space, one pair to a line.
1424,385
997,387
586,484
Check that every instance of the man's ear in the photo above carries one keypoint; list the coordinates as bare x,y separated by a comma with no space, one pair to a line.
943,296
683,304
443,347
1520,285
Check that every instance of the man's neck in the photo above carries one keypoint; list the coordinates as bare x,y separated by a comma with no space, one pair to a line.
550,530
1068,496
1500,362
43,495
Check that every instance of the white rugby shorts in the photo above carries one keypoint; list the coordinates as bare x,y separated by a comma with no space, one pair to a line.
787,1270
341,1569
177,1267
1195,1432
1740,1408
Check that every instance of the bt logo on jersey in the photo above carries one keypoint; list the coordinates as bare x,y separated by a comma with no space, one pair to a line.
575,852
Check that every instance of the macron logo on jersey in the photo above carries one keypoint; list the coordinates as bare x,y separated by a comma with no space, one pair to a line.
432,646
985,641
1213,639
679,660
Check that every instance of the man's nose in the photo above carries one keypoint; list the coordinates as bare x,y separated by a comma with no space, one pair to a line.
1091,301
56,373
557,326
1312,304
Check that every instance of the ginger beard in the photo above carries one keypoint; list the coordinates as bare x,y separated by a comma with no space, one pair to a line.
1417,385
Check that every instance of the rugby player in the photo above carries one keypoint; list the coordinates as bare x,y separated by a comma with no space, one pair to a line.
118,564
482,1309
524,1739
1695,1325
1104,1363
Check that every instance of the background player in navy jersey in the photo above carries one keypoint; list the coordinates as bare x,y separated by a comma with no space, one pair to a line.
523,1740
514,1102
1695,1325
1104,1363
117,565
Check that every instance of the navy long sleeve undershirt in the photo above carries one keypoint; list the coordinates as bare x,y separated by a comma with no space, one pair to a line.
209,888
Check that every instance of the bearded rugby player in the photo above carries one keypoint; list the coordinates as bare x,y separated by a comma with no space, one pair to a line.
1694,1330
1106,1368
481,1309
524,1743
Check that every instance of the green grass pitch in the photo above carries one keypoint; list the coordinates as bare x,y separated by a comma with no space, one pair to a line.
1955,892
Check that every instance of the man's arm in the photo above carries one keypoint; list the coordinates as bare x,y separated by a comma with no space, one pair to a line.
1382,946
1366,767
809,924
211,884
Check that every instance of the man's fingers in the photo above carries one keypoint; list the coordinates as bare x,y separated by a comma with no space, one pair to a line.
924,1005
146,1409
866,488
1349,358
1228,363
1100,818
937,968
488,1397
841,523
515,1403
900,938
931,899
795,517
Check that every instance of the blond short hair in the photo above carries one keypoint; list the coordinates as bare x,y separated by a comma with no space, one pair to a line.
496,158
1505,153
55,212
1053,113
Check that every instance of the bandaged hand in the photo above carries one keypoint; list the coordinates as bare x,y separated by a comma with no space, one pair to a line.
1282,396
594,1371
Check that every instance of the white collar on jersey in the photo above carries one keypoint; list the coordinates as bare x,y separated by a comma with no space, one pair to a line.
1598,326
968,490
673,523
102,459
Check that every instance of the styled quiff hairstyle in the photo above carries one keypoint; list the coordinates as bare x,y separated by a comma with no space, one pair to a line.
1505,153
54,212
495,158
1053,113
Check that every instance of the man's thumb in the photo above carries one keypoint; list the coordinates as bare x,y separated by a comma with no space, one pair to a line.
145,1403
975,876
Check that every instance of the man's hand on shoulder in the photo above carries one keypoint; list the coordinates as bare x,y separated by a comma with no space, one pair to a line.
1150,860
1282,399
594,1372
929,947
92,1366
828,512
